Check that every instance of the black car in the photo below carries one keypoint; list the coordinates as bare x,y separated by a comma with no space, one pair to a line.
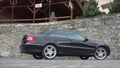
54,43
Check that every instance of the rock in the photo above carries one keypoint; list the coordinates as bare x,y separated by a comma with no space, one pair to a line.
5,54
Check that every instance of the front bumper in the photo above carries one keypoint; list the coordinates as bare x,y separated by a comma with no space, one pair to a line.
108,49
31,49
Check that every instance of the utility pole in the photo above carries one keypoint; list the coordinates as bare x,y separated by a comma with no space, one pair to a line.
49,8
12,3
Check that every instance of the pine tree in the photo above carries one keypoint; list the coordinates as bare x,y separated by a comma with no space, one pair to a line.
90,9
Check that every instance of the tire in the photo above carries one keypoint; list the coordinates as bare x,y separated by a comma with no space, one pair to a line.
49,52
37,56
100,53
84,57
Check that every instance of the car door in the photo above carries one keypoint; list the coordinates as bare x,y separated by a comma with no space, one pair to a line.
63,45
78,44
62,42
81,47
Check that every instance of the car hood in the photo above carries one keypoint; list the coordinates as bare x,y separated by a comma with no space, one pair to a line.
95,42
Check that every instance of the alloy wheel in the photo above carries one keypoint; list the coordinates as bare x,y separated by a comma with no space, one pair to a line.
49,52
101,53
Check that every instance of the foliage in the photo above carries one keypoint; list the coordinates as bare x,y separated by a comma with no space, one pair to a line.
115,6
78,17
90,9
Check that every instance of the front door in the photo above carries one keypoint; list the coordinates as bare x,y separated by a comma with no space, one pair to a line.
81,47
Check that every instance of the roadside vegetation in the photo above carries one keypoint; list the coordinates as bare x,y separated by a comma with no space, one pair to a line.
90,9
115,6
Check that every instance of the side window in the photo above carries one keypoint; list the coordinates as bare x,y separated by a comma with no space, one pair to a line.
76,36
58,34
68,34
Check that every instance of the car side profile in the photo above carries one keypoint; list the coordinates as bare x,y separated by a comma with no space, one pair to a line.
54,43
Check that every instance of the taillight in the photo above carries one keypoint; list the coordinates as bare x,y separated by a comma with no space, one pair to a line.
30,39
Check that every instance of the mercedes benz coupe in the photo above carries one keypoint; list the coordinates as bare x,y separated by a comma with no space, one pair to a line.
54,43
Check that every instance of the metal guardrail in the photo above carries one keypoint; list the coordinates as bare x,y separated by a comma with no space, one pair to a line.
37,19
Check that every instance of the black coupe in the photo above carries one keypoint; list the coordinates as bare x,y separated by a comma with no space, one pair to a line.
54,43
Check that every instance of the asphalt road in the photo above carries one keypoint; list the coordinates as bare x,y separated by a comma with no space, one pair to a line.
32,63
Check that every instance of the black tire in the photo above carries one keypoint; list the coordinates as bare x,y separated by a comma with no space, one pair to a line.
49,52
84,57
101,53
37,56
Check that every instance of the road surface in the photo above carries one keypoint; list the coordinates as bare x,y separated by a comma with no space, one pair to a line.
32,63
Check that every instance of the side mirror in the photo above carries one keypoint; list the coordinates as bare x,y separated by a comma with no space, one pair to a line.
86,39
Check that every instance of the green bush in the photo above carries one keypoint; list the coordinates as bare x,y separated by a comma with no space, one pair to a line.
78,17
90,9
115,6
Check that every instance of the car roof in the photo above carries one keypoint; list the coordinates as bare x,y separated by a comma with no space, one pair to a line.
61,30
57,30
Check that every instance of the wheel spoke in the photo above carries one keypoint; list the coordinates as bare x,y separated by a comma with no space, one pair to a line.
47,53
47,49
101,50
104,52
98,51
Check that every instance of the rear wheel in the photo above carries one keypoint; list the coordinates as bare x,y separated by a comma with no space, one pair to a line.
37,56
101,53
49,52
84,57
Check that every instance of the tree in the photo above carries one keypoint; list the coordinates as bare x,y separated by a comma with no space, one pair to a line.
115,6
90,9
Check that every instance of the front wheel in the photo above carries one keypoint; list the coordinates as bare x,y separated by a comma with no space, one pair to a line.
49,52
84,57
101,53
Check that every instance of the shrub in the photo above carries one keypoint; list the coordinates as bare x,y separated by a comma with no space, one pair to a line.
115,6
78,17
90,9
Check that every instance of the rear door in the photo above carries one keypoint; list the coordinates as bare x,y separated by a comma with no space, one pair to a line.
62,42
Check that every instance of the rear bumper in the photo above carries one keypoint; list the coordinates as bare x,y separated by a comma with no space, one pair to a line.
31,49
